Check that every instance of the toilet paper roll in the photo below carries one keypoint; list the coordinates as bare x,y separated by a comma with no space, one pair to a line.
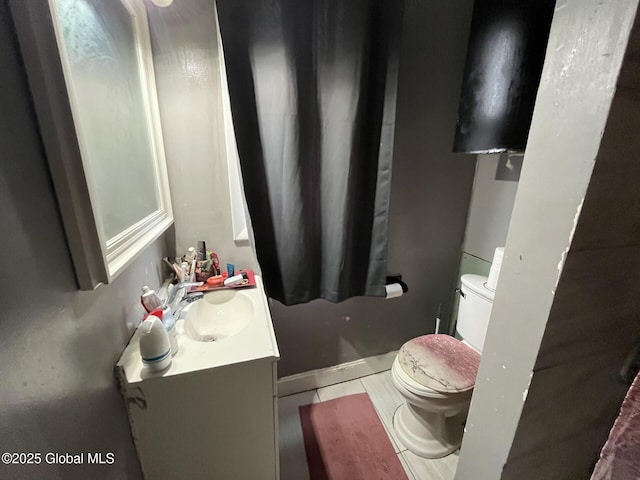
393,290
494,273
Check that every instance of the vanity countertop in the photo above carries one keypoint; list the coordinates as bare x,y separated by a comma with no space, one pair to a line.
255,341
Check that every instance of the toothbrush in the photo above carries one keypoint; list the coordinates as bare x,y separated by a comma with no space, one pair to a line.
178,271
192,271
166,260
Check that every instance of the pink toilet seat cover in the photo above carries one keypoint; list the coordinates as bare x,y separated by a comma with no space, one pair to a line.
440,362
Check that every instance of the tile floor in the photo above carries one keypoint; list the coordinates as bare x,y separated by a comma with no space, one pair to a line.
293,462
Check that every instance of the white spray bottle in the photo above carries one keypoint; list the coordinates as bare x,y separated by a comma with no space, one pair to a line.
155,347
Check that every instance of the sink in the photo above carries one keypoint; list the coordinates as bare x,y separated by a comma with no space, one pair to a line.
225,327
211,391
218,315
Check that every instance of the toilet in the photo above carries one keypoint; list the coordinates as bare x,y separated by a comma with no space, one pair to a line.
436,374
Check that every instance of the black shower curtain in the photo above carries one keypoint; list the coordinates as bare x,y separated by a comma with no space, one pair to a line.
313,96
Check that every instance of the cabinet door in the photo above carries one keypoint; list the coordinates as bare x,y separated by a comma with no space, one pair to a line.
276,436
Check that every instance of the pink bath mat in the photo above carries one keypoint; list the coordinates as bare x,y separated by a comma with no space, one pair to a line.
344,440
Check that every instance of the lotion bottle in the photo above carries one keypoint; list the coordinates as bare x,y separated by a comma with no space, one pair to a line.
155,348
150,299
169,322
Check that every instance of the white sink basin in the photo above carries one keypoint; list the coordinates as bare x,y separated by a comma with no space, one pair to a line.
218,315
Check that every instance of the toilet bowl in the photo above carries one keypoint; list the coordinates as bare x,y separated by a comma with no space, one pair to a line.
436,374
437,388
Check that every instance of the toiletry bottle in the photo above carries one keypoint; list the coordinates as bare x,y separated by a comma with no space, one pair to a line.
150,299
215,264
185,272
235,280
155,348
201,253
169,322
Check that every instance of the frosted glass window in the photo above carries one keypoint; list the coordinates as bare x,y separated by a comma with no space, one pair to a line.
110,110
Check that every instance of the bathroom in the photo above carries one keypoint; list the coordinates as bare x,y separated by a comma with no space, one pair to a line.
60,343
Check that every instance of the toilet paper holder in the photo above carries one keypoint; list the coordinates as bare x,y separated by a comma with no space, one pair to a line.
397,279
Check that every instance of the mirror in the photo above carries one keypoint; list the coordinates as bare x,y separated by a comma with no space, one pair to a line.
109,126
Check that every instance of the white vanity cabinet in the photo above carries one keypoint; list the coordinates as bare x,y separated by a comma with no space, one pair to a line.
213,413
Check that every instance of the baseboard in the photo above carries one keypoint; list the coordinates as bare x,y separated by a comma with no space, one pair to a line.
323,377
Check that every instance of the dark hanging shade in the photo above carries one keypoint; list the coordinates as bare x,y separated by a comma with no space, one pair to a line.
505,54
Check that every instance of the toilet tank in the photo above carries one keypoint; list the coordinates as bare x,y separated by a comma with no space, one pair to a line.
474,310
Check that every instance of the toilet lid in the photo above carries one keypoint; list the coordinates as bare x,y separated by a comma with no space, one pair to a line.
440,362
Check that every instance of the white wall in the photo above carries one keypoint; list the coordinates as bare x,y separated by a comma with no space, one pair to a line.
187,66
490,210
